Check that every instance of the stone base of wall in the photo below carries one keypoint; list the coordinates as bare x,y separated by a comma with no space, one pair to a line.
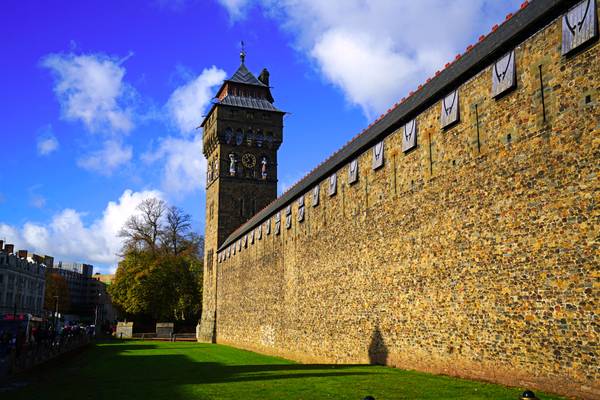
205,331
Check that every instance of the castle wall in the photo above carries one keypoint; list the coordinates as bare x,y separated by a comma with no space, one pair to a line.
473,258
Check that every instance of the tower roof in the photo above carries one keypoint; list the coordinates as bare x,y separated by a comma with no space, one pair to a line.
243,75
235,90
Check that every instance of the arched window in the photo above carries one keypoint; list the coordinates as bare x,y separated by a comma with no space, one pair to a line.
259,138
269,139
249,137
239,137
228,135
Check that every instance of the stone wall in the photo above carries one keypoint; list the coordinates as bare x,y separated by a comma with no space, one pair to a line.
474,255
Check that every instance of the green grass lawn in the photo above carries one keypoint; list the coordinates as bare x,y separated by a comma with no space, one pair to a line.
160,370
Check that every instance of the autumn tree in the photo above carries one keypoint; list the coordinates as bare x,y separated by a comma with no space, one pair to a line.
57,291
161,272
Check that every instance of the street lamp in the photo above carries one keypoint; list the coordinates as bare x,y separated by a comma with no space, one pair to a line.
96,313
55,312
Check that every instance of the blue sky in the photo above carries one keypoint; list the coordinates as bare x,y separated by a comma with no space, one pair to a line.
100,98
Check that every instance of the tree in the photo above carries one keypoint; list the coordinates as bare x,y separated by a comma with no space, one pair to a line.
57,290
176,228
141,231
164,286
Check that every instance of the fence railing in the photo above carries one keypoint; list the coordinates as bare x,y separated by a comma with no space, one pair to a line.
17,360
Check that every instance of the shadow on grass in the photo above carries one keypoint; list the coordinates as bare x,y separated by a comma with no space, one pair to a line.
131,371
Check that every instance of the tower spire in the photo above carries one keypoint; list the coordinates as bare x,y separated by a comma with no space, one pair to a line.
243,53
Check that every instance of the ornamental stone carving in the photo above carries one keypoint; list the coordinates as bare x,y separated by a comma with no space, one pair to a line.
353,171
450,110
378,155
579,25
504,74
332,184
409,136
315,196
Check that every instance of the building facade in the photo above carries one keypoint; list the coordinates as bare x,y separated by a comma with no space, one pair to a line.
82,290
22,283
457,234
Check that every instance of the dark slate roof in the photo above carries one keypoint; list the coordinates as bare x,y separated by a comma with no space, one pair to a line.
243,75
248,102
532,17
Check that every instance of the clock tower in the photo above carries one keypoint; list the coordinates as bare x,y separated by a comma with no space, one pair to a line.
241,135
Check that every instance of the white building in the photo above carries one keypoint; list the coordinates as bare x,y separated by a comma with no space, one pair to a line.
22,283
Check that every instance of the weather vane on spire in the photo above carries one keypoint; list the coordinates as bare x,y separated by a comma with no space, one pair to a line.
243,53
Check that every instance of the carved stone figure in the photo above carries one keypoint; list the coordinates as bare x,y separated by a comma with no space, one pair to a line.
232,164
215,169
263,168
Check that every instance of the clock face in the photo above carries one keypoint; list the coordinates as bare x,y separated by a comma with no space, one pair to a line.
249,160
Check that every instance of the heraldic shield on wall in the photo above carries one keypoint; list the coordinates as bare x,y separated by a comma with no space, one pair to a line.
579,25
277,223
353,171
288,217
301,209
409,136
332,184
315,196
504,74
378,155
450,113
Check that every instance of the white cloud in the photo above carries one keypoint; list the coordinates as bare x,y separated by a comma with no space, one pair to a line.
377,51
183,163
35,199
106,160
38,201
47,144
235,8
187,103
90,89
68,237
184,168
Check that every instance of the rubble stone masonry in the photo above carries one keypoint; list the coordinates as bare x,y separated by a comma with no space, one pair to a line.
470,257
